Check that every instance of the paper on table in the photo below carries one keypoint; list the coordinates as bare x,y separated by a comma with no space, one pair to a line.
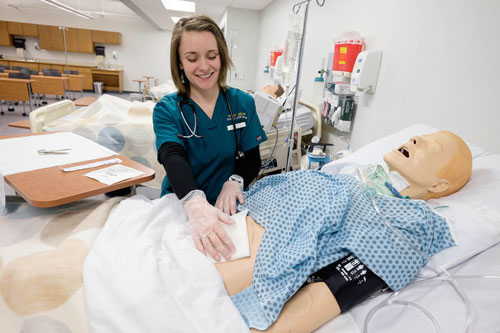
21,154
114,174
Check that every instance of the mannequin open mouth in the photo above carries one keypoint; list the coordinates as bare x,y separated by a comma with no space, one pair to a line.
404,151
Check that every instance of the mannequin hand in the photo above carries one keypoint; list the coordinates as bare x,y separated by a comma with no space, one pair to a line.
226,201
206,230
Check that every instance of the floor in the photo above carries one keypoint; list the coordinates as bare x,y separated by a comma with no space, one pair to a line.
17,115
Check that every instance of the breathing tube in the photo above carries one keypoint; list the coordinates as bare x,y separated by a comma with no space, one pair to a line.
368,188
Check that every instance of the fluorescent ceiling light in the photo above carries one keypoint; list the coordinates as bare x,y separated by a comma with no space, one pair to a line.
175,18
178,5
67,8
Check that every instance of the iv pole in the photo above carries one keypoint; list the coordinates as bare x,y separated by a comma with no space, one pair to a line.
65,51
296,9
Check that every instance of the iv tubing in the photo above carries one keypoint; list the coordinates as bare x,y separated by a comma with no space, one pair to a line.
388,301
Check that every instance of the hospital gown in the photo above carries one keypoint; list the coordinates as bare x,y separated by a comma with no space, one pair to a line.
313,219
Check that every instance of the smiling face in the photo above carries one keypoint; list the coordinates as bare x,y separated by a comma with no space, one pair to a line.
434,165
199,58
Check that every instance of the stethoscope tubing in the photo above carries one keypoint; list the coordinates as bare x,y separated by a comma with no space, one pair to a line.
184,100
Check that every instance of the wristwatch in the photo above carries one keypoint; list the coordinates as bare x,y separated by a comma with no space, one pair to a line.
237,179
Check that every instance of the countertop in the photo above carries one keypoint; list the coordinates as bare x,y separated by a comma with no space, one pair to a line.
62,62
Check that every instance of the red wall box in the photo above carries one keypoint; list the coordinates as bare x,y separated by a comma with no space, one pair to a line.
345,54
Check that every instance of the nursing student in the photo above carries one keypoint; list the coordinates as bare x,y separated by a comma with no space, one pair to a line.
207,134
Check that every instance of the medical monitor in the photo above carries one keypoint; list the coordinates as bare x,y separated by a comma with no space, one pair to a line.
268,109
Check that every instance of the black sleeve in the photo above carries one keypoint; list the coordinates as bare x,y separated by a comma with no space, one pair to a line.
249,167
173,157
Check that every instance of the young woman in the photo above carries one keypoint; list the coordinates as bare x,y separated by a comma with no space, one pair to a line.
207,134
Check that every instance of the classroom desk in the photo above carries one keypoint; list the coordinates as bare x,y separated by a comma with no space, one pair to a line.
21,124
52,187
85,101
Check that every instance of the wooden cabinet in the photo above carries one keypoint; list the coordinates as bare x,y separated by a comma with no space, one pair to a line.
56,39
15,28
85,41
72,40
98,36
30,29
5,38
44,37
4,62
113,38
23,29
88,83
112,79
51,37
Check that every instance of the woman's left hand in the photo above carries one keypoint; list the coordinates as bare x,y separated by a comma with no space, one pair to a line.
226,201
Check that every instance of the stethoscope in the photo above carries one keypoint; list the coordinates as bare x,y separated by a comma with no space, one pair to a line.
185,101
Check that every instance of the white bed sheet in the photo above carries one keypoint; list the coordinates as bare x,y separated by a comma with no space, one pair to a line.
144,274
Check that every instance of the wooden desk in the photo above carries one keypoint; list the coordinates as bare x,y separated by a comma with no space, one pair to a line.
112,79
52,187
85,101
21,124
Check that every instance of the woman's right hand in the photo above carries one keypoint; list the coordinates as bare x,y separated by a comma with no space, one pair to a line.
206,229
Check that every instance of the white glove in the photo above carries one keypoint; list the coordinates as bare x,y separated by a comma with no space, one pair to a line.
206,230
231,191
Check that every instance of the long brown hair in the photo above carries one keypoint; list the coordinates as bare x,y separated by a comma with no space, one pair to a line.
197,23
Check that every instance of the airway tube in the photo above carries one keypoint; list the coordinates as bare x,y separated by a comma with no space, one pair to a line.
448,277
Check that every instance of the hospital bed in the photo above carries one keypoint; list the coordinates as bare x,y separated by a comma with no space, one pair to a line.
141,271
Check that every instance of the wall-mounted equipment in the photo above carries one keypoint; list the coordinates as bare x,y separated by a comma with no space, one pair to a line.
268,109
365,72
19,43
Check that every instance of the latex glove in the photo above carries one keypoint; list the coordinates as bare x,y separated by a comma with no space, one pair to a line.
206,229
226,201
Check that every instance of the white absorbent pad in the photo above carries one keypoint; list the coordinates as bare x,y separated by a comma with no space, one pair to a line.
239,235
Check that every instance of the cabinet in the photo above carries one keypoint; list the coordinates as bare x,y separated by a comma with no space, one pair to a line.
113,37
5,38
44,37
56,39
98,36
112,79
72,40
30,30
85,41
88,83
15,28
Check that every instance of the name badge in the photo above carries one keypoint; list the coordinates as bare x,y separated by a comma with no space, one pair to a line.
238,126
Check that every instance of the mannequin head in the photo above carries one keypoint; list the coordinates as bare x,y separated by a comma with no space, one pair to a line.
274,90
435,165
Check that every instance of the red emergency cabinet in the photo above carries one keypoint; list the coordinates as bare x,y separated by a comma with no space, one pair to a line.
345,54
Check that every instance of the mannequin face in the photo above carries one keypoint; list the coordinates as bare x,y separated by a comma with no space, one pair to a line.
420,160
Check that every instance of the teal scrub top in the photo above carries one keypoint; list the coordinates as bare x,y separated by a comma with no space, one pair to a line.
212,158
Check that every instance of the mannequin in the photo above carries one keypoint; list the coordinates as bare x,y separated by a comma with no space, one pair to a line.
274,90
434,165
